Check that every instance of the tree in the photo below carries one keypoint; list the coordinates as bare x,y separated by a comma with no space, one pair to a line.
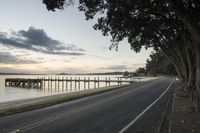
126,74
159,64
164,25
140,70
186,10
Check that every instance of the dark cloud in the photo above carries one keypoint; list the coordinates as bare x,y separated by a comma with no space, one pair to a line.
37,40
7,58
116,67
120,67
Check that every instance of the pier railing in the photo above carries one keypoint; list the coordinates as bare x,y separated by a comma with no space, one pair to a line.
62,82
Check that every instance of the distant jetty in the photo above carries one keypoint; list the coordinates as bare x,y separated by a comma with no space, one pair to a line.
58,82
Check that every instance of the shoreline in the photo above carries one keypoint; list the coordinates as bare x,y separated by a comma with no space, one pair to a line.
18,106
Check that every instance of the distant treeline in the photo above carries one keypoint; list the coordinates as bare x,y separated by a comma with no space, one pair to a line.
158,64
106,73
4,73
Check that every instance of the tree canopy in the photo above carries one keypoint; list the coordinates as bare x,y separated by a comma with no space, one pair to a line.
169,26
159,64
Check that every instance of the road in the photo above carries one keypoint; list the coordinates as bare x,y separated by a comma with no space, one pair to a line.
109,112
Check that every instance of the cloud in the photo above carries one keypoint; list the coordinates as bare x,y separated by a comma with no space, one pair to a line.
38,40
120,67
7,58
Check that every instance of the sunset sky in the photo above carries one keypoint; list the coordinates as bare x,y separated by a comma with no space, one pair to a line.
35,40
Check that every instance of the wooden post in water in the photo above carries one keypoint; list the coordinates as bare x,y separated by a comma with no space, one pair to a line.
58,83
118,81
75,83
71,83
44,83
51,83
66,83
94,82
106,81
109,81
55,83
79,83
98,82
48,83
41,83
63,83
88,83
84,83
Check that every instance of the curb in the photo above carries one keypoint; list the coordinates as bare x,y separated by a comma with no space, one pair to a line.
164,114
172,111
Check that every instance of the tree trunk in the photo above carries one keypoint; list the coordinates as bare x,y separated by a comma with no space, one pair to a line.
175,63
191,68
197,51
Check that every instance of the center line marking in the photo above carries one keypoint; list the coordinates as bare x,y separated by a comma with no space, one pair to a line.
54,118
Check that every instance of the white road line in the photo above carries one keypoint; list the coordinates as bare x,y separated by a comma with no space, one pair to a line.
144,111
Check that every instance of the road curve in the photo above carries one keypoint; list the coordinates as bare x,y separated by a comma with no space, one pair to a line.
108,112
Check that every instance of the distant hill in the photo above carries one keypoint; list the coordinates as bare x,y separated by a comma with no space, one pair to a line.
2,73
106,73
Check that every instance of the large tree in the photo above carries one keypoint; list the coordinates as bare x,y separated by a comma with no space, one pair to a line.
166,25
159,64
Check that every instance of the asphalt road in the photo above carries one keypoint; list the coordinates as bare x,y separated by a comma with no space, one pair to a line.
109,112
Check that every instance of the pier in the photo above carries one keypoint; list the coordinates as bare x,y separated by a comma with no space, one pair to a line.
62,82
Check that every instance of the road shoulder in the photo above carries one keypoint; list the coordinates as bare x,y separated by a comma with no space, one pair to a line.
181,116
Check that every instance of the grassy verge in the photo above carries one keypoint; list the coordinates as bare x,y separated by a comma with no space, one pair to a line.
52,101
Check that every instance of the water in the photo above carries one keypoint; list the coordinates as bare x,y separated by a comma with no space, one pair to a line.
13,93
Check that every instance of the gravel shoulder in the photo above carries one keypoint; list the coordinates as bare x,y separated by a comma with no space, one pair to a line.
181,116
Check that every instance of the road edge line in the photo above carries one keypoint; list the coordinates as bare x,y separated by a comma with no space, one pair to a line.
145,110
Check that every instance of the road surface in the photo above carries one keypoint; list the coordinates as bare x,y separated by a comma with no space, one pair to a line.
123,110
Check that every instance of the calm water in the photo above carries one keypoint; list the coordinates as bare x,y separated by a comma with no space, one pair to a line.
12,93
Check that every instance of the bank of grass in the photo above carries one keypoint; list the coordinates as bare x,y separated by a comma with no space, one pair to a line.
55,100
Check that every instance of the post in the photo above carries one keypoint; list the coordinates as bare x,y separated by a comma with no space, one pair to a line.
98,82
79,83
40,84
51,83
66,83
48,83
106,81
44,82
94,82
118,82
58,83
109,81
62,83
55,83
71,83
75,83
88,83
84,83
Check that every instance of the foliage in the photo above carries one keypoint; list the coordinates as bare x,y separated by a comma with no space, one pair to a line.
140,70
159,64
126,74
169,26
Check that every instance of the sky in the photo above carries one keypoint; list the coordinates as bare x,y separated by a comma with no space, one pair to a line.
34,40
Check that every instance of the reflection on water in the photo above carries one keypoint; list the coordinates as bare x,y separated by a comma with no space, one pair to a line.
13,93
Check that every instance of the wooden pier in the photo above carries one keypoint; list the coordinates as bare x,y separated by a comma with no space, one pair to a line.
61,82
26,83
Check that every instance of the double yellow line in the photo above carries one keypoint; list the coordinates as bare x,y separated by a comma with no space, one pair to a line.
83,108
